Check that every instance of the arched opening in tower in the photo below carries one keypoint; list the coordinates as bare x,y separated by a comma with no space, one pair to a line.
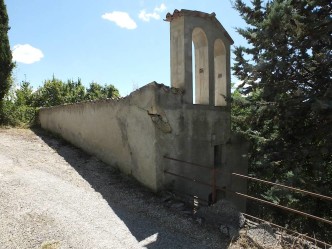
201,67
220,74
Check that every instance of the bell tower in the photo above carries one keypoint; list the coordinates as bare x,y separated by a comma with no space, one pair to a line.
212,57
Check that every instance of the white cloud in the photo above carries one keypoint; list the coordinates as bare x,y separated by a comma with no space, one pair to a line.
161,8
27,54
122,19
143,15
147,16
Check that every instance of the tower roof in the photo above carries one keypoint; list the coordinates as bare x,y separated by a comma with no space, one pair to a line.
210,17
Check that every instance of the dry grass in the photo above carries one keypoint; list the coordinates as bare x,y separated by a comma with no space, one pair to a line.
243,242
286,241
50,245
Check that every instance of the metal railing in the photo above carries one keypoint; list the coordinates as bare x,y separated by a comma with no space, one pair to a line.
213,170
283,207
214,188
313,240
286,187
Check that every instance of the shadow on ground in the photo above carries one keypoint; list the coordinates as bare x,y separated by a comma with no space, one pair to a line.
121,193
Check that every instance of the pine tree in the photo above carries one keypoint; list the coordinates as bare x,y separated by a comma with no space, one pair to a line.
6,64
286,74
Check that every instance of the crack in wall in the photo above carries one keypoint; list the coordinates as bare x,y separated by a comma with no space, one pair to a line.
161,122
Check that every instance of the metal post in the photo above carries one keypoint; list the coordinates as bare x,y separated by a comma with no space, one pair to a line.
214,188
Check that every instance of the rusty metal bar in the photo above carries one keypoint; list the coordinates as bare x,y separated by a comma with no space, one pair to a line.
279,206
288,230
287,187
256,199
189,179
194,164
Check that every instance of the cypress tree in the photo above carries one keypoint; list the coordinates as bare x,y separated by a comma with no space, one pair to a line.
6,64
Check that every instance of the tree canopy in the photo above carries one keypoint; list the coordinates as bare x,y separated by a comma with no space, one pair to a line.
284,104
21,103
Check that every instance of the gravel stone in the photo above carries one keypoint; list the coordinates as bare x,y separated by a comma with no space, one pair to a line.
53,195
264,236
224,213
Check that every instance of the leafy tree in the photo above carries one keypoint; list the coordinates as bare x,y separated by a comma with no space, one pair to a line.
24,94
20,105
111,92
286,74
96,91
50,94
240,112
17,109
74,91
56,92
7,106
23,112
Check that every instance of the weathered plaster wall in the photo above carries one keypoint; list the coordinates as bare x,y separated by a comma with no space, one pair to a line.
195,129
212,55
198,131
202,133
136,132
121,133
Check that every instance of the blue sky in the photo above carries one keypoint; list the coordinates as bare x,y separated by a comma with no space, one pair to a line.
124,43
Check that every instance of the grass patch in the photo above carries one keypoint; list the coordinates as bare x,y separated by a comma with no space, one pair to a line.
50,245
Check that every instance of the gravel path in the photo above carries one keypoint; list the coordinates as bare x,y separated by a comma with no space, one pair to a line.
53,195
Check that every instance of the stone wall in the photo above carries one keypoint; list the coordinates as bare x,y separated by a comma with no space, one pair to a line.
136,132
119,132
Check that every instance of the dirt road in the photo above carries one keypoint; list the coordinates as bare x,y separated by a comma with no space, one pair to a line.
53,195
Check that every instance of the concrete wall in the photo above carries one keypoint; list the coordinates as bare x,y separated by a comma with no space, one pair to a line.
136,132
196,129
202,132
121,133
